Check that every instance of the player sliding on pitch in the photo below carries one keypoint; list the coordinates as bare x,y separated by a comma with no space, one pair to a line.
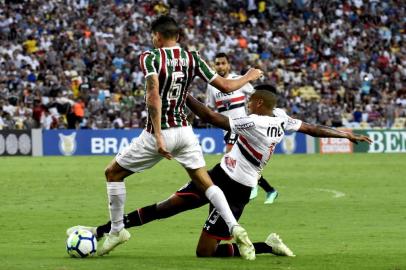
236,174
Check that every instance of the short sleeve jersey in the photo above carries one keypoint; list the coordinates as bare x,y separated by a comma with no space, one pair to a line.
229,104
258,136
176,69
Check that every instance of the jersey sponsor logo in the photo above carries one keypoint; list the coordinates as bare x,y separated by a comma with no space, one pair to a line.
245,125
221,94
275,131
230,163
67,144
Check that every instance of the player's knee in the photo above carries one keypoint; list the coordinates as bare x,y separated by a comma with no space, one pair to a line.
109,174
204,252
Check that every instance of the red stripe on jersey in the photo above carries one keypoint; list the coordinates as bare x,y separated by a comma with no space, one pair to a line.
232,100
176,55
142,58
162,74
189,79
171,119
250,148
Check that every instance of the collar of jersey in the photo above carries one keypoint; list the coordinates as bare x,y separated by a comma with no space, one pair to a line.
173,47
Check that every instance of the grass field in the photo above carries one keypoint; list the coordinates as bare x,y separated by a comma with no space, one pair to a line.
334,212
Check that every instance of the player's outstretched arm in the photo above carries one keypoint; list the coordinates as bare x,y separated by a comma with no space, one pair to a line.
230,85
328,132
206,114
154,104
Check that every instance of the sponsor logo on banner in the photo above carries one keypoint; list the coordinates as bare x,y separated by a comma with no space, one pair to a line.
335,145
388,141
67,144
289,143
15,142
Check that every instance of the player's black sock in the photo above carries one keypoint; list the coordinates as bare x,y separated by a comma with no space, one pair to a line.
101,230
261,247
227,250
141,216
230,250
265,185
135,218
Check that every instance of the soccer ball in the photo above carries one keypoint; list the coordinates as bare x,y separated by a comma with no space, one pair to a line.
81,243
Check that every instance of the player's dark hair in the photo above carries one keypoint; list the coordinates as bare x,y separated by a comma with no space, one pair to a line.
268,93
267,87
222,55
166,26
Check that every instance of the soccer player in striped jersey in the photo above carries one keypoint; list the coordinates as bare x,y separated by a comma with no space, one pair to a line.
233,104
236,174
169,71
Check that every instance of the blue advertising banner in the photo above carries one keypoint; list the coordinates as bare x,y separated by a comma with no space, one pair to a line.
110,142
292,143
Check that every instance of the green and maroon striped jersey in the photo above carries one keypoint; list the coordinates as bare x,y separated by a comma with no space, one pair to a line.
176,69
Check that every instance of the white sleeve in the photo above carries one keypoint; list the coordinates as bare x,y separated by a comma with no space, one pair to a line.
210,100
291,123
247,89
242,125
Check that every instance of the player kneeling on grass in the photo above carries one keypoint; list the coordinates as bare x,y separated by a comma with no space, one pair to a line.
237,173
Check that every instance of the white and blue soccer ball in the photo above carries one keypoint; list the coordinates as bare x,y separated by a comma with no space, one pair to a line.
81,244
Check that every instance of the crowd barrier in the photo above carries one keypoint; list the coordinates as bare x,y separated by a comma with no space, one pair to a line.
39,142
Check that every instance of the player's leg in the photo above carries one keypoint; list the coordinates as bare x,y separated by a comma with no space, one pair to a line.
138,156
215,228
271,192
116,192
207,246
190,155
186,198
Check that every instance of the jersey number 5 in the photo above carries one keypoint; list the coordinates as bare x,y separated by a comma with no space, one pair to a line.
176,85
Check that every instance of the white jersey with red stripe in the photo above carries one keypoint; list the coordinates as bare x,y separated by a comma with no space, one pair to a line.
258,136
229,104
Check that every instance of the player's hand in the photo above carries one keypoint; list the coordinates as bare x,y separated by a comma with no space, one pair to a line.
161,147
254,74
355,138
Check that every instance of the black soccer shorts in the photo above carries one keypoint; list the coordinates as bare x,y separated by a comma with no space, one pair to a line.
236,194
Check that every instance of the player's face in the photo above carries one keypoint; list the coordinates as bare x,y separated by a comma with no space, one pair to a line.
252,104
222,66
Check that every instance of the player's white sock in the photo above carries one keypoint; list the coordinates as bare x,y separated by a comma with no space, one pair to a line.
116,192
217,198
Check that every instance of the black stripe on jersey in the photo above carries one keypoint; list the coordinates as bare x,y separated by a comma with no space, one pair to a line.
247,155
231,107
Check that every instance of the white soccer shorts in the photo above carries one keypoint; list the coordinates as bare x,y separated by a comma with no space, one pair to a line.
181,142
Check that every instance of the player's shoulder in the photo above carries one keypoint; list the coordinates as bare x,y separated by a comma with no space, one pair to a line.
278,112
149,52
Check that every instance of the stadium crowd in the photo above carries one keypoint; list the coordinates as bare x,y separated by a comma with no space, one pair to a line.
74,63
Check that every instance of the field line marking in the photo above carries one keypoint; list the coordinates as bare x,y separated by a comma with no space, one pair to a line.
337,194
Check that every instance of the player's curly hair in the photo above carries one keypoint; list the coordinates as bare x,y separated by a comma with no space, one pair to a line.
166,26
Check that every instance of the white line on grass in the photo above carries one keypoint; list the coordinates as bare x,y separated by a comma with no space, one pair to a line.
337,194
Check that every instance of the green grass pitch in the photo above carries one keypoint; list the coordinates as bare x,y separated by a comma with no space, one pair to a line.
334,212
